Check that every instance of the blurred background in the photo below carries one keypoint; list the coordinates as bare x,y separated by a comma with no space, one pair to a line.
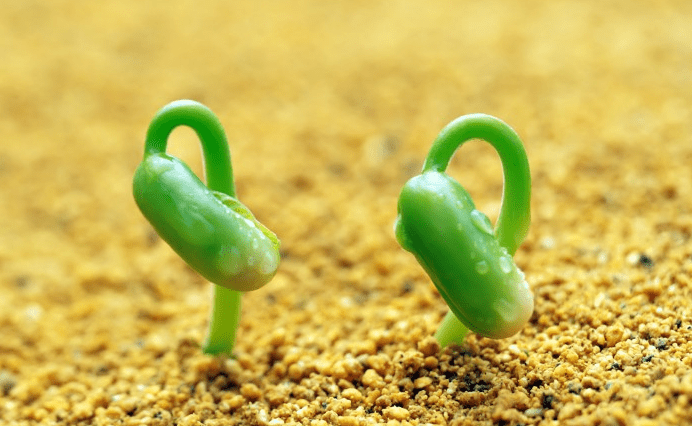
329,108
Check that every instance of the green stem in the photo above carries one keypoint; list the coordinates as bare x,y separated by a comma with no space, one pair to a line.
451,330
515,212
225,313
217,156
223,321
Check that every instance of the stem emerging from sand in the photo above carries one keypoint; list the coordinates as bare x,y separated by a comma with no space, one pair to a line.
206,225
470,264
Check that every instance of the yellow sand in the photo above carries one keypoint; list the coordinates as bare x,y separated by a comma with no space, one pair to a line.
330,107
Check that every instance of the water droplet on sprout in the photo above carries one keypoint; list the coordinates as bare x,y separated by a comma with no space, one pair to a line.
481,222
268,263
506,310
505,264
482,267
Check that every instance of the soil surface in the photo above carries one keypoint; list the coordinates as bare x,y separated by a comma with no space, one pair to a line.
329,108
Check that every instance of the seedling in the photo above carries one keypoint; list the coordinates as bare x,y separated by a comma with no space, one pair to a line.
470,263
206,225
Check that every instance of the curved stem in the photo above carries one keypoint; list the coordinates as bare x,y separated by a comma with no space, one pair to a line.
225,312
217,156
515,212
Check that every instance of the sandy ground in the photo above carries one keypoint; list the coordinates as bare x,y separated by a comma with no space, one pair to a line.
330,107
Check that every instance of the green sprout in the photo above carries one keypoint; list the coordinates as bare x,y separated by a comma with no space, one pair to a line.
205,225
470,263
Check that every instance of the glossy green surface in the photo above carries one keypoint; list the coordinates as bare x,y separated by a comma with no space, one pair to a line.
515,212
469,262
213,232
206,225
455,245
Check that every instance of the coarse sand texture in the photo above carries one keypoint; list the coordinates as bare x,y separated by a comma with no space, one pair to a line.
330,108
